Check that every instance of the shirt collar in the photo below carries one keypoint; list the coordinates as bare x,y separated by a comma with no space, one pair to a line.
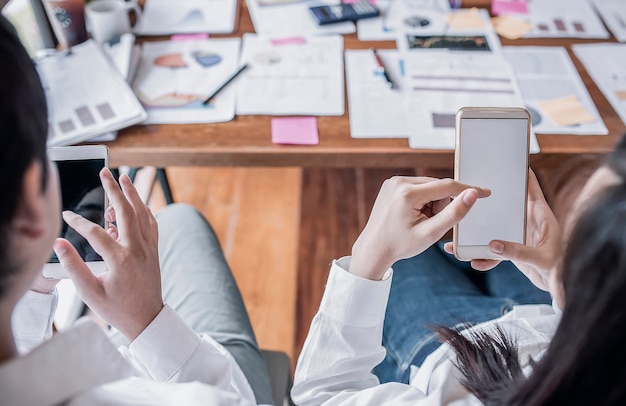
73,361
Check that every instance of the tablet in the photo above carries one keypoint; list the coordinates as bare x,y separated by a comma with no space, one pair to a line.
82,193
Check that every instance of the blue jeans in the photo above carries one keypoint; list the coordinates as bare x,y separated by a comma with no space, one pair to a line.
433,288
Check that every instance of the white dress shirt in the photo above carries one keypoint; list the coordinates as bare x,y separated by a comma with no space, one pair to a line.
344,345
167,364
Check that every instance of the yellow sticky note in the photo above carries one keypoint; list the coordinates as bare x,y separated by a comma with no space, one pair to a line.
510,27
465,20
566,111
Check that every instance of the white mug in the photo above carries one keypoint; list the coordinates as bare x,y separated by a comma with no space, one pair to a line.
108,20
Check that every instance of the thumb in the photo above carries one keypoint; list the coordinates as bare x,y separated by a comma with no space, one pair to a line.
512,251
85,281
452,213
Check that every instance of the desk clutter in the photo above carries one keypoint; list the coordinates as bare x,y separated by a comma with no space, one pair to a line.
292,66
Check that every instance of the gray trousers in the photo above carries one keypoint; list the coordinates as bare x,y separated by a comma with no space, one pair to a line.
199,286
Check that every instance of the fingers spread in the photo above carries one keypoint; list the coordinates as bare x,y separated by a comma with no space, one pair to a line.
142,212
123,210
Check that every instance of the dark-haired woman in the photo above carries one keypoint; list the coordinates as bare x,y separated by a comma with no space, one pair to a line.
375,341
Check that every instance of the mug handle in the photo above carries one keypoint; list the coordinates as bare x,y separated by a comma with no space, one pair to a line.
132,5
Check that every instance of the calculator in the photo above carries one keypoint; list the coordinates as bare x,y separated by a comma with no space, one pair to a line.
330,14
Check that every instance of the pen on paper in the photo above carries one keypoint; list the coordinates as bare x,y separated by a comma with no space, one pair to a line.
225,83
381,68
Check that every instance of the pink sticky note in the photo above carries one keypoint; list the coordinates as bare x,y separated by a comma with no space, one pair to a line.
509,7
188,37
288,41
295,130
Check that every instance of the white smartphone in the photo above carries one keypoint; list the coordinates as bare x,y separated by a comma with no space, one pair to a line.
82,193
492,147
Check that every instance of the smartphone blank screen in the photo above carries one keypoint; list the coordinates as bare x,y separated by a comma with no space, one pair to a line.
494,155
82,193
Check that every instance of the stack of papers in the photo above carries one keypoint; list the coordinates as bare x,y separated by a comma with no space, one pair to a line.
292,76
175,77
79,107
439,84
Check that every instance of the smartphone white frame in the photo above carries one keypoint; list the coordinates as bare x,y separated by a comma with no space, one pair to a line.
77,153
471,252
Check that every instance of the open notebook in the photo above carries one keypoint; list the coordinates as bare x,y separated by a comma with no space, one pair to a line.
87,96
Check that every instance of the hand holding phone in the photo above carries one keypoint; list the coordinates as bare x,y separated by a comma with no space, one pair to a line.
492,147
81,192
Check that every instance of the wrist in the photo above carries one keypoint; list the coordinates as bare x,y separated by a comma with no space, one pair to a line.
368,268
135,327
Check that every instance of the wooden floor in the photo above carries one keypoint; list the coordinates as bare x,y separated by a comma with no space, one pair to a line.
280,228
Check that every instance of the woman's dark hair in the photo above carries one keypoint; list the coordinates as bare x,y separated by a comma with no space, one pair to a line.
23,133
586,360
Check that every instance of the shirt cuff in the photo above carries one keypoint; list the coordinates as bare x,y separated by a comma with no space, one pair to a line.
32,319
353,300
165,345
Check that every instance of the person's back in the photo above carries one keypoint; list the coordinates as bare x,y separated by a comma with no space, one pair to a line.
193,344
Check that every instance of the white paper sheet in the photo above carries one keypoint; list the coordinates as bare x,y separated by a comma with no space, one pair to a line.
482,39
547,73
293,19
613,13
563,19
164,17
294,77
439,84
428,14
376,111
606,63
79,107
174,78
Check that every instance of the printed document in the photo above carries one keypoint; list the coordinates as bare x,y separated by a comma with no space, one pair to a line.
376,111
606,64
460,30
440,83
165,17
547,73
427,15
290,77
175,77
563,19
292,19
86,95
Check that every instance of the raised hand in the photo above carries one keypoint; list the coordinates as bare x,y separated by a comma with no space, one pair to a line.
127,296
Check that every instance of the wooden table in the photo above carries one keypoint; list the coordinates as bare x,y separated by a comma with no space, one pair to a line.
246,140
